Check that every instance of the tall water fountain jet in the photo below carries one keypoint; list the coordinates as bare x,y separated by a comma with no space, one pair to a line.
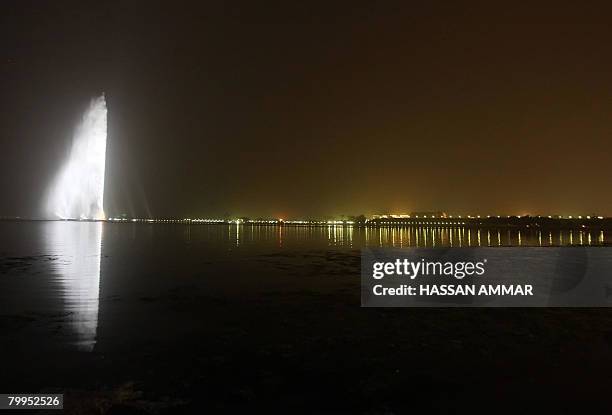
78,191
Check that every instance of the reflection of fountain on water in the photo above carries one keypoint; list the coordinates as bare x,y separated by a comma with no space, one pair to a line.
78,191
78,247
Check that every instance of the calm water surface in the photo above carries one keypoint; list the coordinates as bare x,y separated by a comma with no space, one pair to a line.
67,269
88,305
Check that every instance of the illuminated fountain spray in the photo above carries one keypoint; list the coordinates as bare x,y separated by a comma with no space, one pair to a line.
78,192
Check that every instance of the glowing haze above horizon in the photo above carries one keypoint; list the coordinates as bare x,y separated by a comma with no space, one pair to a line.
304,110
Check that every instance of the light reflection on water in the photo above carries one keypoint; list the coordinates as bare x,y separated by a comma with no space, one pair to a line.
338,236
70,254
78,247
399,237
432,237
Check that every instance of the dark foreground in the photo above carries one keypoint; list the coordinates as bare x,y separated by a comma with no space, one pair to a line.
190,325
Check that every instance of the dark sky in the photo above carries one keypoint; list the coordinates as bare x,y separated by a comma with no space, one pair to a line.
304,108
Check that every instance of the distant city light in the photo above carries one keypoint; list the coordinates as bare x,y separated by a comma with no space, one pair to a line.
374,220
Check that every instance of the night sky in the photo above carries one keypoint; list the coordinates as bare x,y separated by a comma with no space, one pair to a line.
312,109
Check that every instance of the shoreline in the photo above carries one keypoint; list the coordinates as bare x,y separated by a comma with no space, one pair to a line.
512,222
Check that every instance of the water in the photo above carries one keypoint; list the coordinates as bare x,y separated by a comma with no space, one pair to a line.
67,268
341,237
256,315
78,190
